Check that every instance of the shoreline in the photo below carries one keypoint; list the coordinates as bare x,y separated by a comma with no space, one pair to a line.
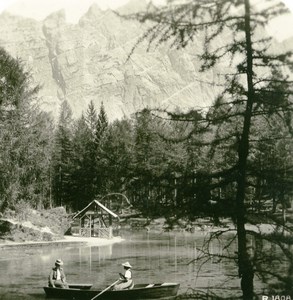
67,240
99,242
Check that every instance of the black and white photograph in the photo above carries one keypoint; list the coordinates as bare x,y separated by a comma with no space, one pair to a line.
146,149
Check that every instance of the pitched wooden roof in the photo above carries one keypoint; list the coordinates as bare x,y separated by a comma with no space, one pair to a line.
100,205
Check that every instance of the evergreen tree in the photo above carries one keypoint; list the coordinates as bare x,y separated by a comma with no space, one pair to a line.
100,140
88,172
82,193
91,119
156,164
25,137
62,157
15,84
117,153
102,123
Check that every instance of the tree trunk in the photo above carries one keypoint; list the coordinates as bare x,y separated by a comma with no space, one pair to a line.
245,267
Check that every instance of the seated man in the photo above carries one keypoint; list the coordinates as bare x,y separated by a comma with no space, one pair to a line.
57,276
126,280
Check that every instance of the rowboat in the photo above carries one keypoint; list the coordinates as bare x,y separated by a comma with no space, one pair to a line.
138,292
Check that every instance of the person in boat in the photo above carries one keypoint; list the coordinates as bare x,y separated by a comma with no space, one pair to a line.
126,281
57,276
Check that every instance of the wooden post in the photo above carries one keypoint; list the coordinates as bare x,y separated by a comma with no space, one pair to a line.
90,225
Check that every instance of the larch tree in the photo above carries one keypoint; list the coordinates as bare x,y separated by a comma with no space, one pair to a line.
256,85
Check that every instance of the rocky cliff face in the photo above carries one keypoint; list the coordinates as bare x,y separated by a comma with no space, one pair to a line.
88,61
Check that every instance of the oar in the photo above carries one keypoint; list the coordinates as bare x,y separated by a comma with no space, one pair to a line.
106,289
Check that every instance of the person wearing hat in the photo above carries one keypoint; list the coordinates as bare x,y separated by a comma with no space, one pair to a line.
57,276
126,281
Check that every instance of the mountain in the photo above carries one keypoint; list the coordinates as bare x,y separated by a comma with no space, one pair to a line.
88,61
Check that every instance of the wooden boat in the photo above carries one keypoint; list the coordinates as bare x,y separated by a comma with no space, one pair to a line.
140,291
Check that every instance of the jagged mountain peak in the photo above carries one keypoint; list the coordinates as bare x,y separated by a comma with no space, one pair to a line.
94,16
93,11
88,62
56,18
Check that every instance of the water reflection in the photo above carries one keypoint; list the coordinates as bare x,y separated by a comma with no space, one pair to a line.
156,257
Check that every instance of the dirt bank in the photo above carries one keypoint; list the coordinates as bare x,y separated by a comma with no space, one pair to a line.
32,225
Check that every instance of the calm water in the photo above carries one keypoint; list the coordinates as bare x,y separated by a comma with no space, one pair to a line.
155,257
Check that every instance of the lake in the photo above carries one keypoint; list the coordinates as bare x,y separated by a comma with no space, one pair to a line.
155,257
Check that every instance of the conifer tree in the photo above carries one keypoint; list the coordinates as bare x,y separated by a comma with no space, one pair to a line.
91,119
102,124
62,157
117,153
100,139
25,135
82,159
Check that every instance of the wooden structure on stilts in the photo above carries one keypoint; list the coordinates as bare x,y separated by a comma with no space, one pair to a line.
95,220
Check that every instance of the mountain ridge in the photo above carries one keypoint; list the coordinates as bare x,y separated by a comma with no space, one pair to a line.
88,61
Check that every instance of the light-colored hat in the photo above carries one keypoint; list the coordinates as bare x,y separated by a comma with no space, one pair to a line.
59,262
127,265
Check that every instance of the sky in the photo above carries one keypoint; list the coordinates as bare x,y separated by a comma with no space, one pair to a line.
40,9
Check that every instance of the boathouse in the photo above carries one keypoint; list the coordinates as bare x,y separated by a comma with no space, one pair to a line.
95,220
